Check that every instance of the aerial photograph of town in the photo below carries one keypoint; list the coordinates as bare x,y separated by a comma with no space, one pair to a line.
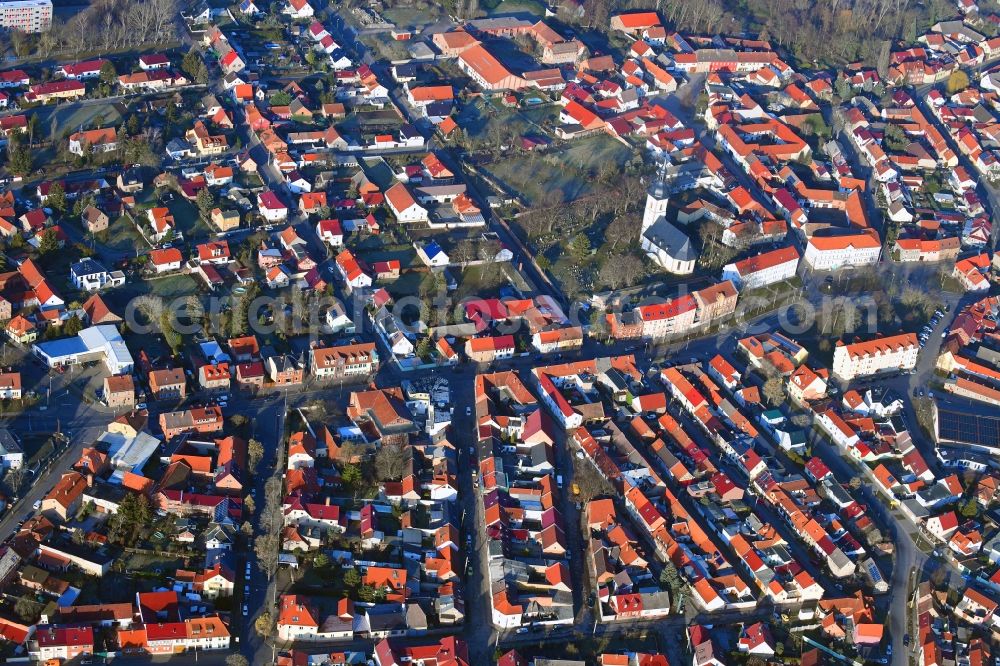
500,332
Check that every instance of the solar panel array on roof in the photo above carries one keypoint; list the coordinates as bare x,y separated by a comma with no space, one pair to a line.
873,571
966,428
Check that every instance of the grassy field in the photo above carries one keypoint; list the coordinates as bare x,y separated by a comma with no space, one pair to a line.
518,7
410,17
114,587
384,46
477,119
173,286
595,151
565,173
407,285
188,220
123,236
164,563
406,255
167,288
54,121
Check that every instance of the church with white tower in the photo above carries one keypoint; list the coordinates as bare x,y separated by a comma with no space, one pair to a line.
662,241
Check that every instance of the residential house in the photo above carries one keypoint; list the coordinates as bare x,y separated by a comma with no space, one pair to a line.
167,384
357,360
286,369
488,349
63,501
94,219
119,392
93,141
164,261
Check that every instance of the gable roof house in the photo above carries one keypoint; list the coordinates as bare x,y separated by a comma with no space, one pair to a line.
403,205
93,141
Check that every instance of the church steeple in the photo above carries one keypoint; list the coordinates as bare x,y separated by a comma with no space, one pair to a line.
657,197
658,188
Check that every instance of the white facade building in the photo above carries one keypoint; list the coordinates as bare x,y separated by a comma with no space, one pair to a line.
764,269
26,15
863,359
827,253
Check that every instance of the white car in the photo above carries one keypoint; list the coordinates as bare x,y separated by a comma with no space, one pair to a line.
37,505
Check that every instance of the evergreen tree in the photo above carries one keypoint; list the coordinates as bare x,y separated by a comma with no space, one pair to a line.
49,242
57,197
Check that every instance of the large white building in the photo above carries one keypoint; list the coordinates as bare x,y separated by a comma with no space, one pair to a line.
26,15
663,242
862,359
97,343
763,269
827,253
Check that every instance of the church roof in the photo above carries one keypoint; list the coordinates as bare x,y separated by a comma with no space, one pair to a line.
671,240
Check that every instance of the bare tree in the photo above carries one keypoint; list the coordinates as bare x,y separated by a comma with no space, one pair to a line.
15,476
610,275
255,451
392,461
631,268
774,391
465,251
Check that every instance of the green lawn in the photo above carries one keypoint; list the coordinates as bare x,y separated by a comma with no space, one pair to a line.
518,6
595,151
482,281
478,118
566,173
122,236
112,588
173,286
188,219
163,563
167,288
385,46
409,17
407,285
406,255
54,121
